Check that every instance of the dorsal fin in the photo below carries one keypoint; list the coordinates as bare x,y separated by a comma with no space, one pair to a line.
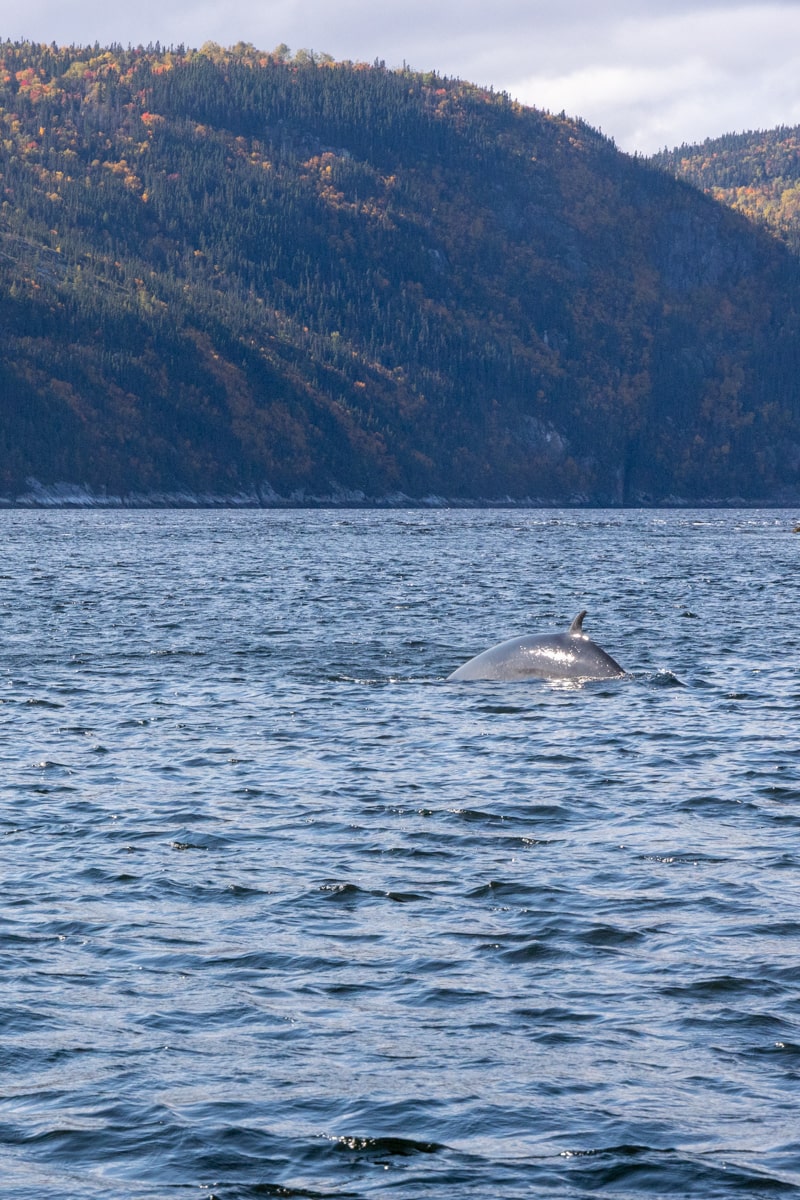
576,628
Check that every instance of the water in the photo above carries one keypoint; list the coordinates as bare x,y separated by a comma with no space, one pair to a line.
286,914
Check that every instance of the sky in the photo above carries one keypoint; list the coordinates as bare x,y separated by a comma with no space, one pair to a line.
648,74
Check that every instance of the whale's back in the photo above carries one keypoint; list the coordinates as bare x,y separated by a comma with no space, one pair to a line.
570,655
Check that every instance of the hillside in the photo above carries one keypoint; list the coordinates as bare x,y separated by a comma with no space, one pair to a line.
235,272
757,173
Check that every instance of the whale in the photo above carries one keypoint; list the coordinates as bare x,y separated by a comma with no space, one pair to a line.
571,656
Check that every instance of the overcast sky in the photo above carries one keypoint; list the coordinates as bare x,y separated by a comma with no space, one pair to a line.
649,74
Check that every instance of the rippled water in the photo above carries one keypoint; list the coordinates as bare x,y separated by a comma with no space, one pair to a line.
286,914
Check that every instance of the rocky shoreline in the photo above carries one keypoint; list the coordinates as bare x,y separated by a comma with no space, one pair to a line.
78,496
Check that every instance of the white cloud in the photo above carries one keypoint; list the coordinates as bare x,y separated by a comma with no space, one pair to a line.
681,77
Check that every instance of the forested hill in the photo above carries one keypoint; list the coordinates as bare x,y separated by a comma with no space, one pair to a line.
757,173
235,272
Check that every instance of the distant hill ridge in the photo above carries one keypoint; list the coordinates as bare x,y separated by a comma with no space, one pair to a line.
757,173
244,274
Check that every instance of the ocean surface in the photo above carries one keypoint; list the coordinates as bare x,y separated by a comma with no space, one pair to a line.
286,914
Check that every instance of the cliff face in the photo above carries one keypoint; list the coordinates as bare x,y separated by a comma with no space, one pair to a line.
225,273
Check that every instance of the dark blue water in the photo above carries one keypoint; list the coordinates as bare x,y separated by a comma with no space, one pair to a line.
286,915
